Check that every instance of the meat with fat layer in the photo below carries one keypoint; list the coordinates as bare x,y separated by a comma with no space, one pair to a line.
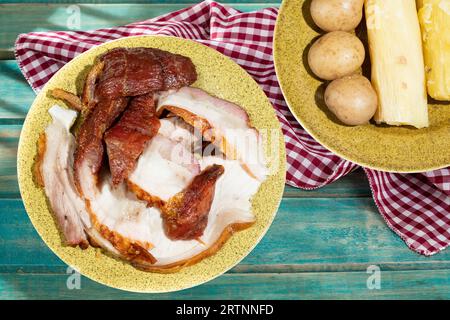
89,139
185,215
221,122
126,140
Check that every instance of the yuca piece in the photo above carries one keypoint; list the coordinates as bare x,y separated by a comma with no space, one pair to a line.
398,73
434,17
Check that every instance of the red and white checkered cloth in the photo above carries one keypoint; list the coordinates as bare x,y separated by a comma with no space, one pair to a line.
415,206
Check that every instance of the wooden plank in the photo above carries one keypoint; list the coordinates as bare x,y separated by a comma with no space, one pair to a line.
16,96
327,285
9,137
6,54
354,184
275,268
342,234
22,18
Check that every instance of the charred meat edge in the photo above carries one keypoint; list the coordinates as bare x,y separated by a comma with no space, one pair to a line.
185,215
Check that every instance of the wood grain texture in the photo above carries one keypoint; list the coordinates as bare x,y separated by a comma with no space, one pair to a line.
9,136
329,285
22,18
16,96
342,234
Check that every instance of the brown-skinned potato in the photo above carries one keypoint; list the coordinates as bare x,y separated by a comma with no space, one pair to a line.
352,99
335,55
337,15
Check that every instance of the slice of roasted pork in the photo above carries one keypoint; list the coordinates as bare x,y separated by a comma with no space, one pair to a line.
89,151
126,140
185,215
165,168
56,173
223,123
137,71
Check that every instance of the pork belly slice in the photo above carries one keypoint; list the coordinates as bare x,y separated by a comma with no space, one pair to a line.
185,215
165,168
230,211
89,152
56,174
111,219
223,123
55,161
126,140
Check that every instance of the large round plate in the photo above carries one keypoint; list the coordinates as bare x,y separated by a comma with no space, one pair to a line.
219,76
386,148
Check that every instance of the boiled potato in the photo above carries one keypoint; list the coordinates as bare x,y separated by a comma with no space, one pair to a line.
352,99
336,54
337,15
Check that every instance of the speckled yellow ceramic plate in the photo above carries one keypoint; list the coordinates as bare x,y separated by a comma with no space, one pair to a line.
400,149
219,76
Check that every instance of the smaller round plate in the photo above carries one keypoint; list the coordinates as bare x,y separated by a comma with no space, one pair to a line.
381,147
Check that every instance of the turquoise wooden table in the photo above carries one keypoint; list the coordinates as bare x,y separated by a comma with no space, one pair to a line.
321,244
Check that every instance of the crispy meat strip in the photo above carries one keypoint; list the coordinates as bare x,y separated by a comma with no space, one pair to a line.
88,96
126,140
87,101
185,215
72,100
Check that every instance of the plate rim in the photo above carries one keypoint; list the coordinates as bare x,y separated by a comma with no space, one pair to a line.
21,176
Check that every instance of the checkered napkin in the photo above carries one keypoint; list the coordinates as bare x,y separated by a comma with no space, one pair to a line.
415,206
